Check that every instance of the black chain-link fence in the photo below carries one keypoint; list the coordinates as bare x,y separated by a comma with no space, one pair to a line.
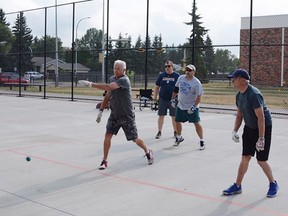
258,45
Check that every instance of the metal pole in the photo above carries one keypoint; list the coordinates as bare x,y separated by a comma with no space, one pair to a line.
73,50
146,48
193,34
20,51
107,44
45,53
56,41
76,47
103,44
250,40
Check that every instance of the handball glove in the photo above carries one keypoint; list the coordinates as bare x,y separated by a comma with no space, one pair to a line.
173,103
98,119
191,110
235,136
260,144
85,83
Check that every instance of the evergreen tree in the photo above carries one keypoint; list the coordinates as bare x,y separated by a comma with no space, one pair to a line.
22,44
3,18
138,57
38,47
158,56
209,55
196,44
6,39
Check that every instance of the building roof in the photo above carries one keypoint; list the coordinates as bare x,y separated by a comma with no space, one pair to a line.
272,21
39,61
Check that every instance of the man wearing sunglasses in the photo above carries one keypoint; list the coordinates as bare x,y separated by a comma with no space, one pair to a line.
164,87
189,90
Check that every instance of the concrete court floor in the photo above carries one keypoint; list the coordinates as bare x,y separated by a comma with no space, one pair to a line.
65,146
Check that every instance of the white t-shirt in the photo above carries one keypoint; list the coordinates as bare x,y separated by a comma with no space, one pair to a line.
188,91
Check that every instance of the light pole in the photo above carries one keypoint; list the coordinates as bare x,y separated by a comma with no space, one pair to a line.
76,64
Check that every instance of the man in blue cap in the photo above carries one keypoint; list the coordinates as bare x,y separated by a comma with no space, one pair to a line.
257,130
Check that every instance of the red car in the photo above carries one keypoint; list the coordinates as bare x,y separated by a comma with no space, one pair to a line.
10,78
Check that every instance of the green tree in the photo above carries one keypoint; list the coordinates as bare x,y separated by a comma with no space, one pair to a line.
225,62
22,45
89,49
3,18
6,37
209,55
39,44
197,39
157,55
138,57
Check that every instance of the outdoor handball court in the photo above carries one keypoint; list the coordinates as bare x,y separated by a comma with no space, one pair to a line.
65,146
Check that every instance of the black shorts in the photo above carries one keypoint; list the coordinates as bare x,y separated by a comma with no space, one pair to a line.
127,123
163,106
250,137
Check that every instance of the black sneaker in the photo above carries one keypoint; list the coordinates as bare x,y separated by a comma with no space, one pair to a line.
103,165
178,141
150,156
175,134
202,145
158,135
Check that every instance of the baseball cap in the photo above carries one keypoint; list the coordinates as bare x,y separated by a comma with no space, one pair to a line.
240,73
191,67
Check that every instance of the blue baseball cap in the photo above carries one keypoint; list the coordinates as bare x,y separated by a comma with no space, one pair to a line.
240,73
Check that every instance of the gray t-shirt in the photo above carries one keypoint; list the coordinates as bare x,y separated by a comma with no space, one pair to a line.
247,102
189,90
120,99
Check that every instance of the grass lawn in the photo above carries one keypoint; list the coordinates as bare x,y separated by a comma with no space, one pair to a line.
214,93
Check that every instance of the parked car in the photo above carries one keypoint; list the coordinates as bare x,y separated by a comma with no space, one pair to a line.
33,75
11,78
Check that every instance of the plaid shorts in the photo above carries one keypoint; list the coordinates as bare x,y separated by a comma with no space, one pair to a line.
127,123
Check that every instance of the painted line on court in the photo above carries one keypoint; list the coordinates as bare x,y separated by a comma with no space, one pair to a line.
157,186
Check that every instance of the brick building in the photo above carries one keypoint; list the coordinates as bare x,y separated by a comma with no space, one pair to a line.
269,65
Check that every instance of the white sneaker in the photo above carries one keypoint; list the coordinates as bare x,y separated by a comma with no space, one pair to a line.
202,145
103,165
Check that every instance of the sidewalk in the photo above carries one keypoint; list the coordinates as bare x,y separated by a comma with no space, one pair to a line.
65,146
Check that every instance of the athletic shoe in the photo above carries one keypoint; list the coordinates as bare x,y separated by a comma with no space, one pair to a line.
202,145
175,134
234,189
158,135
149,156
178,141
103,165
273,188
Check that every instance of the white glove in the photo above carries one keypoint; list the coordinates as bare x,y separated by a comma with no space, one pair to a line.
98,119
85,83
260,144
235,136
191,110
173,103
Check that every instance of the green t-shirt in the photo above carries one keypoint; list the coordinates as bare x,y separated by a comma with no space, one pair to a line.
247,102
120,99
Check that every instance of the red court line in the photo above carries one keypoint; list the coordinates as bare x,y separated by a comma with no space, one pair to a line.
209,198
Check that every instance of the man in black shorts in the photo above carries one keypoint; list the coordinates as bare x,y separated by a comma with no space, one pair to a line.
257,130
122,113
